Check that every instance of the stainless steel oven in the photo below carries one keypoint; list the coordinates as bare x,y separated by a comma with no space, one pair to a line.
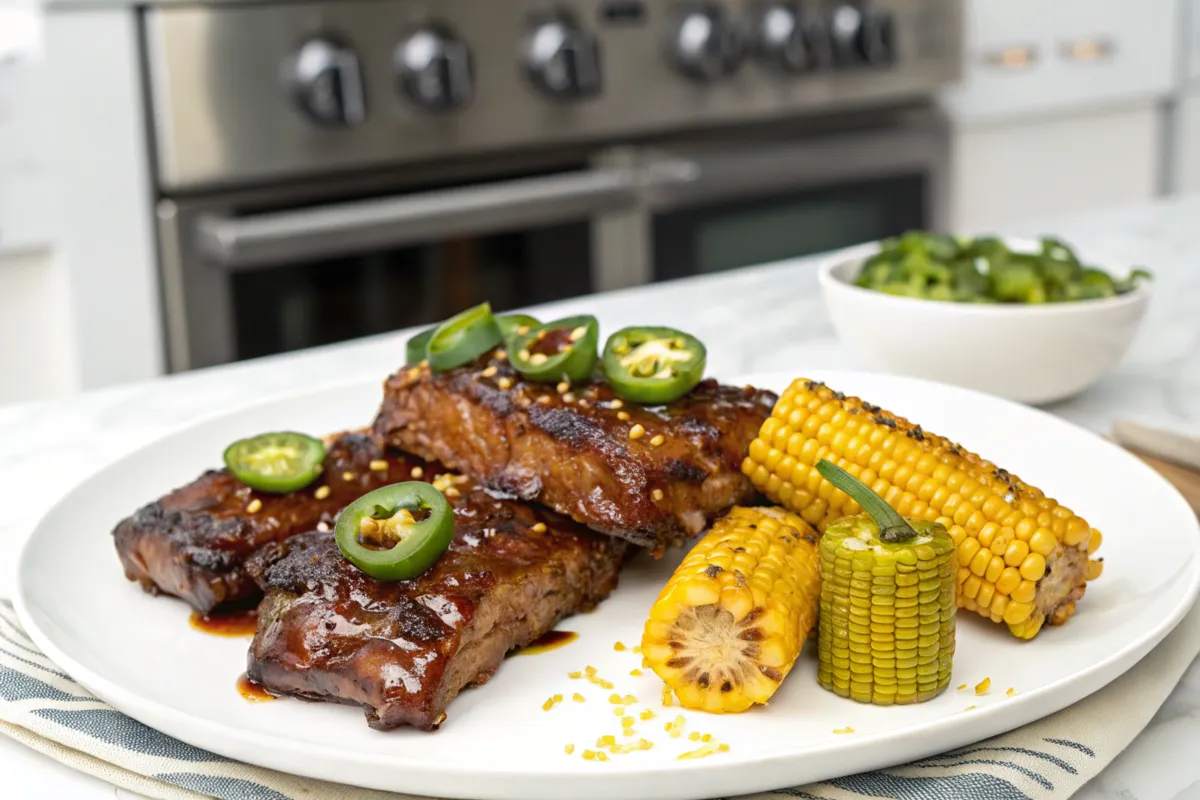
333,170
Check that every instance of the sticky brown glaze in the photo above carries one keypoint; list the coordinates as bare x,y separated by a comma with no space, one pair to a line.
573,451
404,649
194,542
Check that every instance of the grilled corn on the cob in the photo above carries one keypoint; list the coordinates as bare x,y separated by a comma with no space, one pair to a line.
1022,557
729,624
887,603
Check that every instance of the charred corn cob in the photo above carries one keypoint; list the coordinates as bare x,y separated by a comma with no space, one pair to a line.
887,603
1022,557
730,622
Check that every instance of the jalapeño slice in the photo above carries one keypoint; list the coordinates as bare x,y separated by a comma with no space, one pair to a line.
653,365
397,532
565,349
280,462
512,325
463,338
414,351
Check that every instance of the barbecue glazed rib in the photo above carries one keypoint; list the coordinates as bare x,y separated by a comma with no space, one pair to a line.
404,649
193,543
581,452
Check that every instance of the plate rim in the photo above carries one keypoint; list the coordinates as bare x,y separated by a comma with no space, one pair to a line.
263,749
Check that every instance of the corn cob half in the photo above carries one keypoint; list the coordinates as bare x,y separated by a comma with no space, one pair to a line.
730,622
1022,557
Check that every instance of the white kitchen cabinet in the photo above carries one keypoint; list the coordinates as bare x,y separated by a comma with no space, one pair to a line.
1062,108
1007,172
1185,169
36,360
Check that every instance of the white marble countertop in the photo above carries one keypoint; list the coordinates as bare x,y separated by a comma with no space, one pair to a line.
765,318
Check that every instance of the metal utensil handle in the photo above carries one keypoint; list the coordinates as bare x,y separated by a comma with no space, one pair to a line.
286,236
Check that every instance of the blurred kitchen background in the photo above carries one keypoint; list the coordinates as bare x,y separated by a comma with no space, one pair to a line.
194,183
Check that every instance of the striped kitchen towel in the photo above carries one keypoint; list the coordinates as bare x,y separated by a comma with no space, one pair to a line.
43,708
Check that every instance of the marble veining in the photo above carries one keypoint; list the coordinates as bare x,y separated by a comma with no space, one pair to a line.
761,319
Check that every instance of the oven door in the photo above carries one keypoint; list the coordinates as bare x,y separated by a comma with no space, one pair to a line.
768,198
253,274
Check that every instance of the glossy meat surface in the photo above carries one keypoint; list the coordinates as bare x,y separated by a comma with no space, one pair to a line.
403,650
193,543
574,451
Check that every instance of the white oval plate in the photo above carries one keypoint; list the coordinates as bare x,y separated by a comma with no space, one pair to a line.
138,653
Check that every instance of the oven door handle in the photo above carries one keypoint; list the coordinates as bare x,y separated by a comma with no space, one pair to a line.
282,237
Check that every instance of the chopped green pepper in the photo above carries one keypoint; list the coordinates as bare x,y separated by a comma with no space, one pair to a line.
565,349
463,338
512,325
414,351
986,270
653,365
276,462
397,532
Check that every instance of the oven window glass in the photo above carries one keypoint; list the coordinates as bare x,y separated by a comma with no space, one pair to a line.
284,308
714,238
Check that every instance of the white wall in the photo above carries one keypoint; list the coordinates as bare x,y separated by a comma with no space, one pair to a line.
36,358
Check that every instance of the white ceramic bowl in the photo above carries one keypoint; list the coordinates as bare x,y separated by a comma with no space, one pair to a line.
1028,353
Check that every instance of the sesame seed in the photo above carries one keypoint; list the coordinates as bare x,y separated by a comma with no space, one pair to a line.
569,749
563,387
254,506
347,475
378,465
416,473
490,371
657,440
656,495
623,416
322,492
505,383
539,527
637,432
616,404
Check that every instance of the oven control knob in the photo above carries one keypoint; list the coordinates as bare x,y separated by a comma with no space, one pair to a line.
863,36
327,83
434,69
790,41
562,59
705,44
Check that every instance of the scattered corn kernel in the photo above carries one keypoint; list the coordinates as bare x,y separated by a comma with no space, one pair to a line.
1011,691
254,506
505,383
969,708
590,671
539,527
322,492
694,736
619,646
706,750
558,698
601,757
569,749
675,727
706,737
619,711
623,416
378,465
417,473
549,704
962,686
615,699
589,755
605,741
657,440
846,729
605,684
637,649
575,675
347,475
666,696
563,387
578,333
637,431
490,371
983,686
616,404
628,699
501,355
647,714
636,673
